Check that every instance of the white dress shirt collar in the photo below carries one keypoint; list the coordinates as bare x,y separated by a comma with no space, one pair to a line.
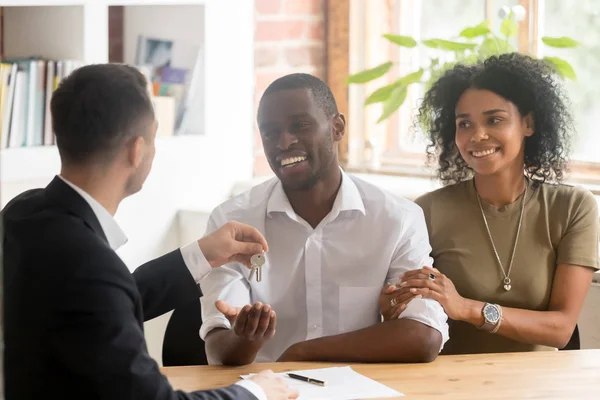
348,198
113,232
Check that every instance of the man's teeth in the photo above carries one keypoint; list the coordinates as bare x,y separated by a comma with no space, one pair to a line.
484,153
291,160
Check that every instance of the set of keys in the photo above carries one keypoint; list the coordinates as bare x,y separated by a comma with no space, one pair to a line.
256,262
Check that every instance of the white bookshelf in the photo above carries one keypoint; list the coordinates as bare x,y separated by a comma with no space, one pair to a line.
78,29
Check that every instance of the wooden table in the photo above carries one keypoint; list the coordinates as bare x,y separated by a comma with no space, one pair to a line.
541,375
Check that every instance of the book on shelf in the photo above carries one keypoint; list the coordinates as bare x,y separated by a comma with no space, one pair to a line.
26,87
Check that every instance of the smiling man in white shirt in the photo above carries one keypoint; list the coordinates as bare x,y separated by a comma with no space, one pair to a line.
334,241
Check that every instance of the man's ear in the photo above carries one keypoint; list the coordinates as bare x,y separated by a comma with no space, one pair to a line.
339,127
529,124
136,151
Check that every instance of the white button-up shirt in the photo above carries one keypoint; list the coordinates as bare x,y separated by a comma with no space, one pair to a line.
192,256
323,281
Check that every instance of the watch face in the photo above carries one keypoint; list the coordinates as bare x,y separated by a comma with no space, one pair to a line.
491,314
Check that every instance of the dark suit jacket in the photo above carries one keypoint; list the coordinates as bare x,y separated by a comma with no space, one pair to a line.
73,313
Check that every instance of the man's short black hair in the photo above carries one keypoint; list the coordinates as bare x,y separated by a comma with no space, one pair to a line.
96,109
320,91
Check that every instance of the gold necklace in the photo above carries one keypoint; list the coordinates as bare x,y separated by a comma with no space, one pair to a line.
506,281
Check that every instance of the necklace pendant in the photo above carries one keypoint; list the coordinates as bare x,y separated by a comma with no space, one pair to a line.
506,281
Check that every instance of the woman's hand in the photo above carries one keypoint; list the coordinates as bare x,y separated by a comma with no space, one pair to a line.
431,283
394,300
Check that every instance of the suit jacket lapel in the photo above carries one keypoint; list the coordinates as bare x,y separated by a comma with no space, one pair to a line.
63,194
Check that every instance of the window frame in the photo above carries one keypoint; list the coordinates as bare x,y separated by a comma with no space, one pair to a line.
348,18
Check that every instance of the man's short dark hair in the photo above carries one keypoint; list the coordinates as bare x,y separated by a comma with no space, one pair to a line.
320,91
96,109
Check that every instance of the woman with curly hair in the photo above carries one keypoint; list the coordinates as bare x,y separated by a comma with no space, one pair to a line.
514,250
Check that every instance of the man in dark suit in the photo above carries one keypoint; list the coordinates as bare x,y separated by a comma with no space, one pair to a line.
73,312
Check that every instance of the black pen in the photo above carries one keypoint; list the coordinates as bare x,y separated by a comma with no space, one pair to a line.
306,379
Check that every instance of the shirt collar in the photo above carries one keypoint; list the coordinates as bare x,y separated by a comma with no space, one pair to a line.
114,234
348,198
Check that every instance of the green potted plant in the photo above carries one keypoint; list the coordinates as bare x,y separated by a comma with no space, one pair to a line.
472,44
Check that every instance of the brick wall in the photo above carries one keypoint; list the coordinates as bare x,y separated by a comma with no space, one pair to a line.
289,37
116,16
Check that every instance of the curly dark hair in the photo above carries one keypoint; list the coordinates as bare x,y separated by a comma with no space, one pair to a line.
532,85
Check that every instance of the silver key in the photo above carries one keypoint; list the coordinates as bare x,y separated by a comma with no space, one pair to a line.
257,261
252,271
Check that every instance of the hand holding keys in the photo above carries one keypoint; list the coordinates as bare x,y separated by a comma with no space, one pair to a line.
233,242
257,261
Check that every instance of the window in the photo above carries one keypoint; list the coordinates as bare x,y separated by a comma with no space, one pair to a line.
396,145
578,19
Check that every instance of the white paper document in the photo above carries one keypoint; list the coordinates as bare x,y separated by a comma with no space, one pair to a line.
343,383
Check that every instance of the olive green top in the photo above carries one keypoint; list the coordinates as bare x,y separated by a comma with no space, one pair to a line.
560,225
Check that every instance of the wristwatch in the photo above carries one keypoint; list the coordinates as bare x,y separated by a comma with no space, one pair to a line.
492,315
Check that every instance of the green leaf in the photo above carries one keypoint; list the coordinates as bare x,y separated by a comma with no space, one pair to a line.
413,77
393,103
489,47
509,27
494,46
383,94
431,43
404,41
370,74
505,47
448,45
455,46
562,67
475,31
471,59
562,42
